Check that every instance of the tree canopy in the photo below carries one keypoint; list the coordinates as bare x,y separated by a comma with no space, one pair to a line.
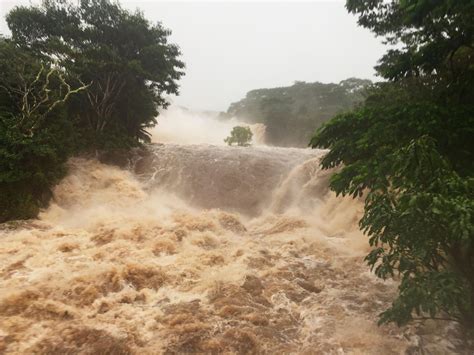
127,60
292,113
408,150
35,134
76,78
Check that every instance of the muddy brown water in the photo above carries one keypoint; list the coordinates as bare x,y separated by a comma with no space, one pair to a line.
199,249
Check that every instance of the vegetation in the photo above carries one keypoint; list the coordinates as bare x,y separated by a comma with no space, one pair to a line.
408,150
291,113
240,135
34,131
127,60
75,78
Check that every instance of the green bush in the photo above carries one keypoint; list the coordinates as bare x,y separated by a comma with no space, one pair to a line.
240,135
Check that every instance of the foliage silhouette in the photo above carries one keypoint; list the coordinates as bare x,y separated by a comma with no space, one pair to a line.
240,135
408,151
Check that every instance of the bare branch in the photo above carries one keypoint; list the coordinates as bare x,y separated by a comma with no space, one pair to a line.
36,103
68,93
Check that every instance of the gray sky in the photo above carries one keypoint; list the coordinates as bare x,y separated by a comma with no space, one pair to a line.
233,47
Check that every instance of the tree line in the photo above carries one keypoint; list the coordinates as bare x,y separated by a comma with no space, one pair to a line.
76,78
292,113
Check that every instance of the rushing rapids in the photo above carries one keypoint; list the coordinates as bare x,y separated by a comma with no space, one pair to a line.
198,249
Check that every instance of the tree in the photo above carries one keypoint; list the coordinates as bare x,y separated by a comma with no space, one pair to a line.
75,78
240,135
408,150
32,90
35,134
128,62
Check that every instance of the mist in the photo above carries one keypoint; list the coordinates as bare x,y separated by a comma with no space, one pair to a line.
182,126
231,48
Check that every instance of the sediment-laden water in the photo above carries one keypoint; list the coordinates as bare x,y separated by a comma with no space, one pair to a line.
198,249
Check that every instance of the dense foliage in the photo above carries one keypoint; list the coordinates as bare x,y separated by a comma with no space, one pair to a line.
75,78
127,60
408,149
240,135
34,131
291,113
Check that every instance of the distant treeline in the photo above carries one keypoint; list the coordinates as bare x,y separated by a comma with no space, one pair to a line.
76,78
293,113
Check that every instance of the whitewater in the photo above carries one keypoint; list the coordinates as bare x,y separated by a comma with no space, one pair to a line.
196,247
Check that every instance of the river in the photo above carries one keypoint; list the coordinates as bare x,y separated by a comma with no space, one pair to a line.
198,248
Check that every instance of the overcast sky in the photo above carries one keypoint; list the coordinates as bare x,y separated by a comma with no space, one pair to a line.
232,47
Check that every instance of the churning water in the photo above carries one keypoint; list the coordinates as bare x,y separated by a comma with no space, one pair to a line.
197,249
